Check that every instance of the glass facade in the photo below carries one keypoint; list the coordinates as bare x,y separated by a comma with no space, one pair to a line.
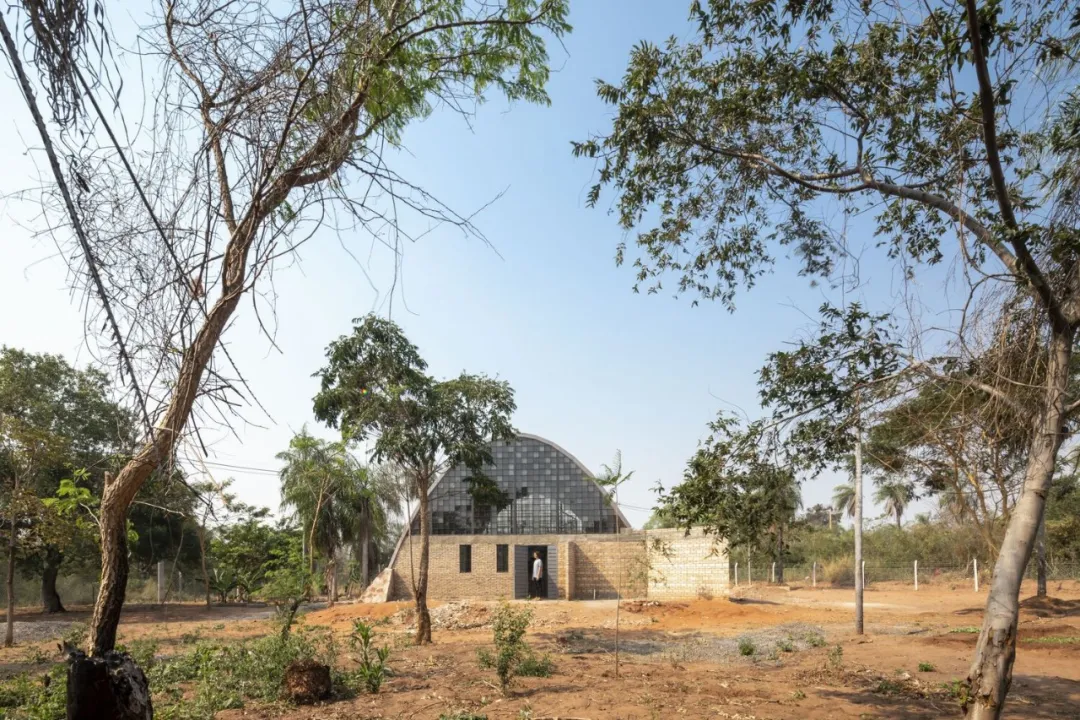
547,492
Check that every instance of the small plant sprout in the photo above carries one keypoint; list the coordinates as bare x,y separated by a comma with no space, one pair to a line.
926,667
746,647
371,661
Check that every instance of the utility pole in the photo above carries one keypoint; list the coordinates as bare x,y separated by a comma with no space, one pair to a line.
858,519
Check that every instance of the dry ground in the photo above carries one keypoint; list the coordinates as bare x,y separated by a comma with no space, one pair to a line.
681,659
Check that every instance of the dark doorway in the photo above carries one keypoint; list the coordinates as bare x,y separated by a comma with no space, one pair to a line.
537,589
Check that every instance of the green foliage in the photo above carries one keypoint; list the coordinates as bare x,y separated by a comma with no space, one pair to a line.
371,661
375,387
746,647
34,697
785,645
836,658
733,489
926,667
533,665
508,628
957,690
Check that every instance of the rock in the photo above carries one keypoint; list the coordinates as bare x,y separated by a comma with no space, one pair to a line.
307,682
109,686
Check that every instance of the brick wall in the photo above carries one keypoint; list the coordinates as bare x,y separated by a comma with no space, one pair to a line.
600,566
682,566
662,564
447,582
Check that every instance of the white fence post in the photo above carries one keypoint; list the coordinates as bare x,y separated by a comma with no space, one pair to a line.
160,581
813,573
975,562
736,574
916,574
774,573
749,578
179,585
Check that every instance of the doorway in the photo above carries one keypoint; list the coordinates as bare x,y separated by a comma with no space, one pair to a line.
540,589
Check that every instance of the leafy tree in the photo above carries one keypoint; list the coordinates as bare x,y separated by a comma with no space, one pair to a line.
660,519
727,146
895,496
53,417
243,551
733,489
375,388
819,516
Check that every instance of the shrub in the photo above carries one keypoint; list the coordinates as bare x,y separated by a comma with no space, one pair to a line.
372,668
926,667
836,658
746,647
785,645
508,628
840,572
536,666
30,697
814,639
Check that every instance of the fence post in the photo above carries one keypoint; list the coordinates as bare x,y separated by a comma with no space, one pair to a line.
975,562
749,578
813,573
179,586
774,573
736,574
160,581
916,575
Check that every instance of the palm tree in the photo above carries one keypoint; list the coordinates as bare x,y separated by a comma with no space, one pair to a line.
315,473
368,502
843,497
895,496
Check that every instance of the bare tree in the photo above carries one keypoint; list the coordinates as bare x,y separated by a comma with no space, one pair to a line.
266,124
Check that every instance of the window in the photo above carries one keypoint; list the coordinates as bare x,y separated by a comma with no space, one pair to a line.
465,558
502,558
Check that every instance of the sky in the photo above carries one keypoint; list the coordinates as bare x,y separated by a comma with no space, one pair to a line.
596,368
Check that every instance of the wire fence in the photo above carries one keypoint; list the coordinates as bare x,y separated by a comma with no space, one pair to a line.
81,590
916,573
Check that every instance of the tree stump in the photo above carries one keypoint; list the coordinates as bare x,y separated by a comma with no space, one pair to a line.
109,686
307,682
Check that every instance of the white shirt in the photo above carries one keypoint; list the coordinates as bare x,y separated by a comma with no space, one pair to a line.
538,567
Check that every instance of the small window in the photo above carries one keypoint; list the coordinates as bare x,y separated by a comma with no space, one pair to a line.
465,558
502,558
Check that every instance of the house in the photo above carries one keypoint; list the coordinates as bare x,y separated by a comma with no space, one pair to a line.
550,505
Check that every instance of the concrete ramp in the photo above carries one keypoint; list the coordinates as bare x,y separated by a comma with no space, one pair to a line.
379,589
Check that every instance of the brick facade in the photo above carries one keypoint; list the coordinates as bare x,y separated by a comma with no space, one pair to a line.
656,564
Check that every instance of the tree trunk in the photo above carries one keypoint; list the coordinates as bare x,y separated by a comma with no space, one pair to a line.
114,573
9,636
423,619
991,671
780,554
202,559
108,686
858,525
899,525
331,578
1040,559
50,599
365,567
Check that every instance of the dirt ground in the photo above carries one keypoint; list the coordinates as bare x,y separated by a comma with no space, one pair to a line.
683,659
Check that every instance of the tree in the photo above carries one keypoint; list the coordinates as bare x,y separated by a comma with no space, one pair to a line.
895,496
844,498
53,417
610,478
659,519
734,142
735,490
264,113
375,388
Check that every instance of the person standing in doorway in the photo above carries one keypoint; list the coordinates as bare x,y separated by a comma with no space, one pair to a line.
537,576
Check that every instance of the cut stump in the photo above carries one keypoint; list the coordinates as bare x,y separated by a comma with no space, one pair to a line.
109,686
307,682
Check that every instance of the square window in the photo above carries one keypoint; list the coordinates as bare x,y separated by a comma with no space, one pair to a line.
502,558
465,558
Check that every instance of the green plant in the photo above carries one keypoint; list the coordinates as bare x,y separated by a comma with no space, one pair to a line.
957,690
814,639
836,658
75,636
926,667
142,651
463,716
508,628
970,630
746,647
533,665
888,687
372,667
35,697
798,695
785,645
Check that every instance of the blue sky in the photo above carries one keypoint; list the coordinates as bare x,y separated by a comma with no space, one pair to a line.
596,367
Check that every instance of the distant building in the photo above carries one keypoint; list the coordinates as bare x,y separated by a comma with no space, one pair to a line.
555,508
